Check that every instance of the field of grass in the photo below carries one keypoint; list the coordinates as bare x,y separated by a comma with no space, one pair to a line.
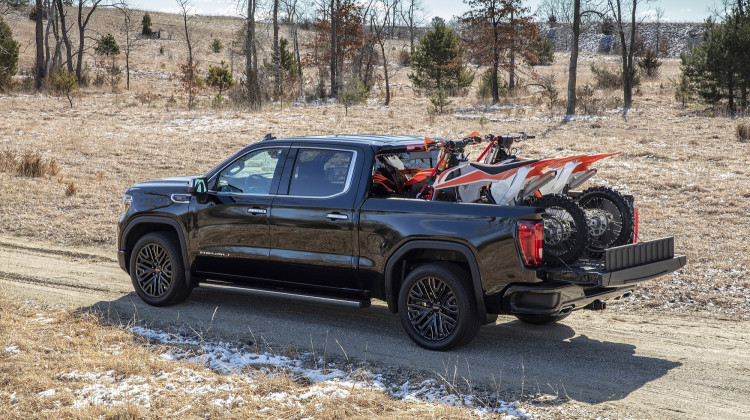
687,170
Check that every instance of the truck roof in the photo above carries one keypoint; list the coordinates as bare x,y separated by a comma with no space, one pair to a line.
379,142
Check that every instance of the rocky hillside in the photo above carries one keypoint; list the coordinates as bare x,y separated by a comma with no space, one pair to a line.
671,38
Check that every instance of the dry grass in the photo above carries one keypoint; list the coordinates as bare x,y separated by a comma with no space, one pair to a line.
743,131
59,364
688,173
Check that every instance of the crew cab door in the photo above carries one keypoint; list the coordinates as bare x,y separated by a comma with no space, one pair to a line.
231,233
312,224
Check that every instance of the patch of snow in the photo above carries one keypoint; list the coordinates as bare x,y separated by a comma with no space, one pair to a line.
328,382
12,348
47,394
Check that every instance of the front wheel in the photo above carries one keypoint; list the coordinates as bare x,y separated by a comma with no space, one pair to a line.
437,308
156,270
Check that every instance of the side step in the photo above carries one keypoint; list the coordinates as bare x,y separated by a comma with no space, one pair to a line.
360,303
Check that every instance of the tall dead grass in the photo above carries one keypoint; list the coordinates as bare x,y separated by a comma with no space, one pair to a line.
29,164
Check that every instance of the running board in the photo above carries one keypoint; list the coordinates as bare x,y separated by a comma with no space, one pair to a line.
360,303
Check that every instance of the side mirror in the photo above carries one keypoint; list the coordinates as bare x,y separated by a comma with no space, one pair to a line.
197,186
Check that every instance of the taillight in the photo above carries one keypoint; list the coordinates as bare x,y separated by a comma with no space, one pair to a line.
635,224
530,240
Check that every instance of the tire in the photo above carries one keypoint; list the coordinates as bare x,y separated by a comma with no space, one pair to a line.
565,229
157,271
609,218
541,319
437,307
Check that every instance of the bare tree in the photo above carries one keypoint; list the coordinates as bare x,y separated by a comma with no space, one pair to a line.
619,13
293,13
251,58
413,16
378,28
571,12
189,76
83,21
39,73
334,47
275,52
659,15
130,30
64,32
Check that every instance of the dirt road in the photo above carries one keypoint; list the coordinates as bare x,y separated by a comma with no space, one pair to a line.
612,363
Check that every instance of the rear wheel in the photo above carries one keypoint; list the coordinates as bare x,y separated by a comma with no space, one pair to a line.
609,218
565,229
541,319
437,308
157,271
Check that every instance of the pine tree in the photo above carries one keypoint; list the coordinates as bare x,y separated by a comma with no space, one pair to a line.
146,23
8,54
220,77
438,61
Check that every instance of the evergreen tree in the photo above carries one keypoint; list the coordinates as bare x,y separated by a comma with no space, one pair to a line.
220,77
718,68
146,23
8,54
438,61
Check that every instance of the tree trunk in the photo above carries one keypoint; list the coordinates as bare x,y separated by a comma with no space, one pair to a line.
495,64
82,22
47,55
334,90
39,73
512,70
573,67
385,73
299,62
64,31
251,61
276,69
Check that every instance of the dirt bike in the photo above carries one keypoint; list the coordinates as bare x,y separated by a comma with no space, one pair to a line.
610,219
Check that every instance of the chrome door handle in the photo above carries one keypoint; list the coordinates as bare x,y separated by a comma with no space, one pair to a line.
336,216
256,211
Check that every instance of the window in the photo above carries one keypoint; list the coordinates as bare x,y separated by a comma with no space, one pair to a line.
321,172
251,174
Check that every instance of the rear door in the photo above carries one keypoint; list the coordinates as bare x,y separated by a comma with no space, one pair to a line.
231,231
312,227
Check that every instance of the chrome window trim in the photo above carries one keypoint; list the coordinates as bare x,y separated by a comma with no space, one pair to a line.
349,176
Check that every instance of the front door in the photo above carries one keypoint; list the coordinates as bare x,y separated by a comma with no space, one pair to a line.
231,234
312,221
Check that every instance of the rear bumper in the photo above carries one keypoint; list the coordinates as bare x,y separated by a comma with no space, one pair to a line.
569,288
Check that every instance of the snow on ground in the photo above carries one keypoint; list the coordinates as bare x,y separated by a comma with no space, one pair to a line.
328,380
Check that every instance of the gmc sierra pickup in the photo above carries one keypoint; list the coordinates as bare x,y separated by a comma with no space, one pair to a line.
305,216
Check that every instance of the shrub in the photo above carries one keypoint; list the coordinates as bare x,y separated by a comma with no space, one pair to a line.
32,165
219,77
587,103
611,79
404,57
63,82
217,45
743,131
649,64
33,13
354,92
682,91
608,26
70,189
485,86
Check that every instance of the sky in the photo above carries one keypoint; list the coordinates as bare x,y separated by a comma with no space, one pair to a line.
674,10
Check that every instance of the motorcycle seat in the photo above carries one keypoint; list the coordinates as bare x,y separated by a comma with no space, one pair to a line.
498,169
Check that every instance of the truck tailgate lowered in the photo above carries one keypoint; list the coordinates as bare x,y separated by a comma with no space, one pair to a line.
622,265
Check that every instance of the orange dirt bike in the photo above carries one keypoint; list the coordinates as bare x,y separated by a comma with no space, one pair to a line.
600,217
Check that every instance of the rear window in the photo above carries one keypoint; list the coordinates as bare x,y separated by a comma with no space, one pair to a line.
321,172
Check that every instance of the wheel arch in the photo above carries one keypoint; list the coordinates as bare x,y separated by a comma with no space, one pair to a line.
395,269
143,225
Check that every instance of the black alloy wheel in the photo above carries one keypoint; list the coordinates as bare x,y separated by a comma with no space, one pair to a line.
156,270
437,308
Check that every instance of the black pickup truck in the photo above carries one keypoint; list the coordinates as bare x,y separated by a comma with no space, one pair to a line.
304,216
